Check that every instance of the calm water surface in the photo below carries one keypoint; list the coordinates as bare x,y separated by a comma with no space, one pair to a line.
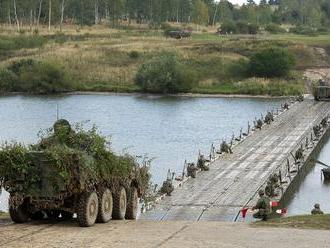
171,129
313,189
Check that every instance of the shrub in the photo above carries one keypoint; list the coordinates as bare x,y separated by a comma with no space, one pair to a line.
134,54
164,74
303,30
271,62
228,28
21,41
7,81
238,28
274,29
37,77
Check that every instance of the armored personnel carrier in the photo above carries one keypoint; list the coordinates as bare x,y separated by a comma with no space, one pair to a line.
322,91
71,171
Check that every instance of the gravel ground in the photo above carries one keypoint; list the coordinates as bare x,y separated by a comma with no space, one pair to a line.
157,234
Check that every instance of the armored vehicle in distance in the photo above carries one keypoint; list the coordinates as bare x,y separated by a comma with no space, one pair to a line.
322,91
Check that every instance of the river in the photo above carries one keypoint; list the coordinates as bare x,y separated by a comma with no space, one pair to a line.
171,129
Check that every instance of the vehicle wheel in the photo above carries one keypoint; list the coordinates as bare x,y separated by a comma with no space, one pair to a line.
132,204
66,215
87,209
39,215
119,204
105,206
20,214
53,214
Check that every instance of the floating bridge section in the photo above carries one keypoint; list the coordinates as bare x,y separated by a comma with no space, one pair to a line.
234,179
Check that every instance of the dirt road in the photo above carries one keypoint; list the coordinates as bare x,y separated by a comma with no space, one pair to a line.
157,234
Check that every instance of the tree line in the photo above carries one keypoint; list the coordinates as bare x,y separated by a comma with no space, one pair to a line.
33,13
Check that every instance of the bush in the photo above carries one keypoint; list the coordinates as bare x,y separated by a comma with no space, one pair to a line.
271,62
274,29
303,30
134,54
228,28
164,74
21,41
7,81
238,28
32,76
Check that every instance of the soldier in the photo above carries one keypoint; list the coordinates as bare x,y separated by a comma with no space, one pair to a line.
225,148
201,163
269,118
324,122
270,189
286,106
300,98
317,130
259,124
263,207
167,187
62,131
192,170
316,209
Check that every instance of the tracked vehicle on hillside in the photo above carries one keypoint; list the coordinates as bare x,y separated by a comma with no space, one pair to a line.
71,172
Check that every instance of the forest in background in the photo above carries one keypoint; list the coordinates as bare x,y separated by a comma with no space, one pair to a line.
121,13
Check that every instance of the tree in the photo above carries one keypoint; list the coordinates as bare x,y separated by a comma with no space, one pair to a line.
271,62
200,13
251,2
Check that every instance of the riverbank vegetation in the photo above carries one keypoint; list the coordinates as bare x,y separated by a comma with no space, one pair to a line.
115,46
303,222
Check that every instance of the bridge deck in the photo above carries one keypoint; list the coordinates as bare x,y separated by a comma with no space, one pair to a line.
234,180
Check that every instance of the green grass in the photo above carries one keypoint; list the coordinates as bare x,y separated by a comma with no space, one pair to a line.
20,42
4,215
98,59
302,222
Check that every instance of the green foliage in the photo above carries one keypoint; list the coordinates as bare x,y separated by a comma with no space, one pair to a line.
71,155
200,13
164,74
32,76
7,81
228,28
238,28
15,168
254,86
274,29
134,54
271,62
303,30
19,42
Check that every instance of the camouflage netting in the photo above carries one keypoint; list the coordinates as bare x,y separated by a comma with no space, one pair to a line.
67,149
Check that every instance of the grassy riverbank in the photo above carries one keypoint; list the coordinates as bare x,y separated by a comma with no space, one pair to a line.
303,221
102,59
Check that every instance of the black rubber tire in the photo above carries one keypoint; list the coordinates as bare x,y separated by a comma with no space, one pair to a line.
132,204
53,214
39,215
87,209
119,204
66,215
105,206
19,215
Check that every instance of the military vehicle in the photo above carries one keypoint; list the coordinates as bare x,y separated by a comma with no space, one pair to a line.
179,34
321,91
71,174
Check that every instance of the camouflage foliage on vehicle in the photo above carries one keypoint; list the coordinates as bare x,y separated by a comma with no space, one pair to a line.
74,154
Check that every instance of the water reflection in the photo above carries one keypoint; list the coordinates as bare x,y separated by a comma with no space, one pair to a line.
313,189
